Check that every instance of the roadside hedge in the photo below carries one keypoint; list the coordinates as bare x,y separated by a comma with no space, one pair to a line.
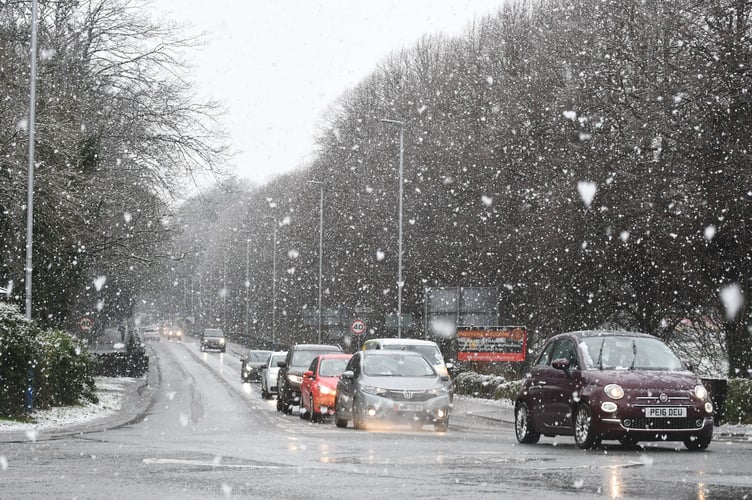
486,386
52,366
737,408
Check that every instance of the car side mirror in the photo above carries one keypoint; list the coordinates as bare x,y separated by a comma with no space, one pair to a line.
308,374
348,375
561,364
450,366
281,364
688,365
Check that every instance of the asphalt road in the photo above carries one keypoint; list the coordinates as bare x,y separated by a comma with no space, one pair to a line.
196,432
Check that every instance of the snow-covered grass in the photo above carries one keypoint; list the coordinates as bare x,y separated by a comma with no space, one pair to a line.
110,392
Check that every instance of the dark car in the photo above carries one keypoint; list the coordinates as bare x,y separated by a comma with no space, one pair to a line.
213,339
298,359
252,363
392,386
602,385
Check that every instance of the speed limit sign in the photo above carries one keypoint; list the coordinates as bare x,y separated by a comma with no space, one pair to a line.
358,327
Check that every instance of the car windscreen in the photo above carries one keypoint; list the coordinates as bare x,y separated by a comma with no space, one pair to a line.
332,367
628,353
276,359
213,333
397,366
302,359
258,356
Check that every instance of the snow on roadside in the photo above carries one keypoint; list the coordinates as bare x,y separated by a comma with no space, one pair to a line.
110,391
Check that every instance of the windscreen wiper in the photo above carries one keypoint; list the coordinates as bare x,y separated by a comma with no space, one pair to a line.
600,355
634,354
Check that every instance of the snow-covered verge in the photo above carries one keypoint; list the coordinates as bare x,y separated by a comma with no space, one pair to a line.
111,393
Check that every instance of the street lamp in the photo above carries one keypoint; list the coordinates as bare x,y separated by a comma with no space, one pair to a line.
274,281
399,251
247,285
321,243
32,122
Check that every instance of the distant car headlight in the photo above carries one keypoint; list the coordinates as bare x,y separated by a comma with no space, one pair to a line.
700,392
295,378
325,389
614,391
222,341
370,389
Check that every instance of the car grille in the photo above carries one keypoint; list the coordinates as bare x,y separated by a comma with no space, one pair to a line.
662,423
409,395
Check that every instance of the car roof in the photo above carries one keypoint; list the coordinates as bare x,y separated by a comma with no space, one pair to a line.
314,347
388,352
604,333
399,341
335,355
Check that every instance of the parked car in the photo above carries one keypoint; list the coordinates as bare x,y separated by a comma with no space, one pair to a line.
213,339
269,374
251,364
291,370
602,385
150,333
319,385
392,386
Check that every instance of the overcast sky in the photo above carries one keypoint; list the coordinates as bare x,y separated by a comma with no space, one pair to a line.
277,65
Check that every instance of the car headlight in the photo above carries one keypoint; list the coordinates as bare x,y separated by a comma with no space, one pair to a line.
325,389
700,392
222,341
439,390
295,378
614,391
370,389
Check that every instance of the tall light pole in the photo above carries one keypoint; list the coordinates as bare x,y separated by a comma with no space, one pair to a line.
274,281
32,121
247,285
321,243
400,284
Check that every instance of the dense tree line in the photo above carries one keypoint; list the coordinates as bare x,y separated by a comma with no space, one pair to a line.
589,158
116,127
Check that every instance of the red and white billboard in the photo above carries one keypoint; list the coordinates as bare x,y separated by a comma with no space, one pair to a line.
491,343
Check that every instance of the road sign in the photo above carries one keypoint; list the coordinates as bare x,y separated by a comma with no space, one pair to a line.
358,327
85,324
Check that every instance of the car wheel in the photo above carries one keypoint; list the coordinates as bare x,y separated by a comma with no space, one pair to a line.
522,428
339,422
280,404
315,416
441,426
303,413
357,421
416,424
583,429
696,443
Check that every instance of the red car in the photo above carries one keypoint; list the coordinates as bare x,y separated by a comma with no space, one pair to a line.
603,385
318,388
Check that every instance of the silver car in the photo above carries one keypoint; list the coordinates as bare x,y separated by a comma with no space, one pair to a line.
394,387
269,374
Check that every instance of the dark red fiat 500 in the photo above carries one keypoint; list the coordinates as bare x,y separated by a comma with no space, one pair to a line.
602,385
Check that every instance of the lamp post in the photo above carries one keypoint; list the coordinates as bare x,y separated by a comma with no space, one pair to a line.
399,251
32,121
321,244
274,281
247,285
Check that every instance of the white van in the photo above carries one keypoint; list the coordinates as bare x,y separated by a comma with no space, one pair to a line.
429,349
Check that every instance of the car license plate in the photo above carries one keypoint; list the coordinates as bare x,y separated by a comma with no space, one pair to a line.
411,407
664,412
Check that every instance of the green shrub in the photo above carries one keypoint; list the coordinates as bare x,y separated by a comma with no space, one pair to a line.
738,405
64,371
61,367
17,341
486,386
